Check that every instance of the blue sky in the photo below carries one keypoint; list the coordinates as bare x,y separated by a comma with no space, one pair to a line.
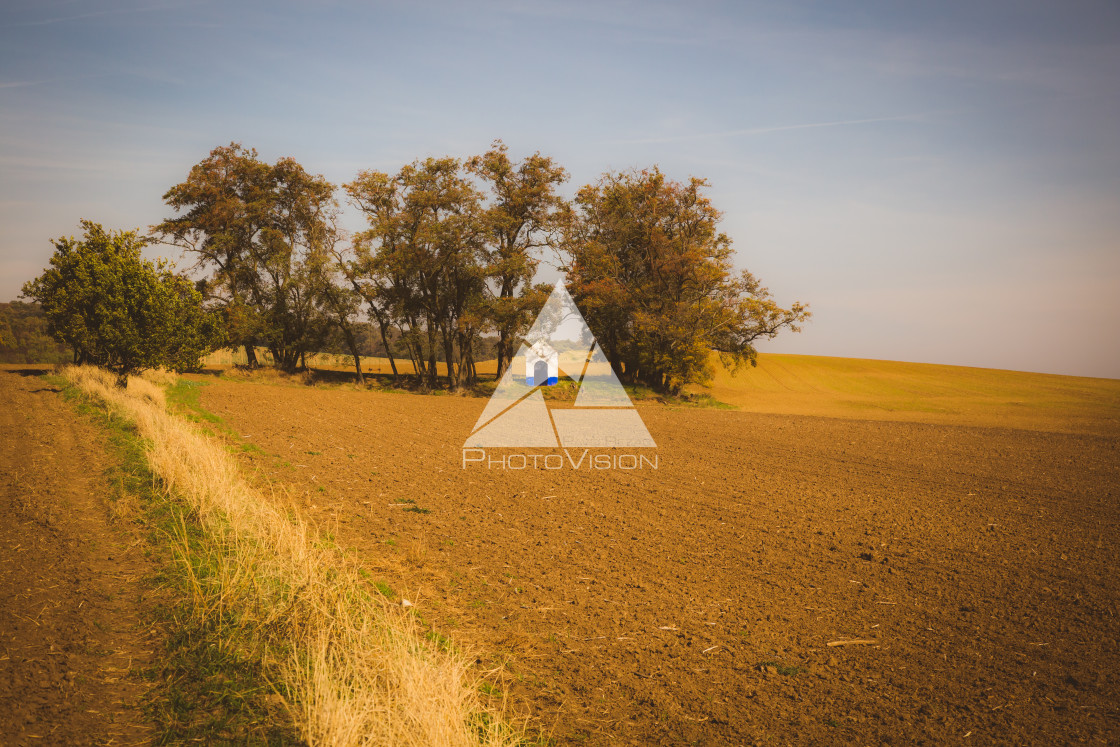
940,181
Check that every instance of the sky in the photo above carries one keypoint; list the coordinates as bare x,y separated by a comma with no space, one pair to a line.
939,181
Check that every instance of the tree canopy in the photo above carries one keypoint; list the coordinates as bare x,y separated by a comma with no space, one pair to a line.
653,275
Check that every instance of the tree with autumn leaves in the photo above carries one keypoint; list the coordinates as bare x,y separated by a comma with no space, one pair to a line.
653,275
258,229
448,259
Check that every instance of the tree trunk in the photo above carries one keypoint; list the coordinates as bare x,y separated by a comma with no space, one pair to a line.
502,362
251,356
466,364
412,344
432,370
448,353
353,345
388,351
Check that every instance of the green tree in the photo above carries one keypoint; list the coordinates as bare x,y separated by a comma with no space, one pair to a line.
118,310
653,275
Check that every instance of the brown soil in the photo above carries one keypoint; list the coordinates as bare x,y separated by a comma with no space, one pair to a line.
694,604
72,637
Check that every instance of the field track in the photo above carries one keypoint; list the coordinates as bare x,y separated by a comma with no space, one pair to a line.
74,630
695,603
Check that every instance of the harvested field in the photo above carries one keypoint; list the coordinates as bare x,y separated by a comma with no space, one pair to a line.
967,575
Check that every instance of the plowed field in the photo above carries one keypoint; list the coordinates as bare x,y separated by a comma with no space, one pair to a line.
967,575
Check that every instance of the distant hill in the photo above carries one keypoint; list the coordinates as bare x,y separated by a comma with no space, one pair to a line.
921,392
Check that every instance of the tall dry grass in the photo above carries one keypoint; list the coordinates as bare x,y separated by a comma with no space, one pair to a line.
352,668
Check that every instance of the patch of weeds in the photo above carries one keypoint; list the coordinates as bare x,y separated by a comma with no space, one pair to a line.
486,688
214,690
491,730
782,668
384,589
831,722
404,500
702,399
390,542
321,489
418,510
314,453
439,639
184,396
476,604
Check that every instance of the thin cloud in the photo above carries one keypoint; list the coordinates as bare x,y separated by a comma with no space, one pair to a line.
28,83
94,14
766,130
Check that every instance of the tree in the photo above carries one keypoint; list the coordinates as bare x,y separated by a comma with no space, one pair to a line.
330,272
254,227
422,256
225,203
653,276
118,310
521,219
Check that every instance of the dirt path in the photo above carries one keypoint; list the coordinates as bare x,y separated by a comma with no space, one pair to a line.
72,636
694,604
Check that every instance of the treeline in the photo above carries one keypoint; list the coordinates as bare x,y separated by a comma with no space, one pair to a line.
24,337
443,272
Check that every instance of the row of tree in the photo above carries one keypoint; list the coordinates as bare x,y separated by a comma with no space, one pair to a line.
443,271
448,259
